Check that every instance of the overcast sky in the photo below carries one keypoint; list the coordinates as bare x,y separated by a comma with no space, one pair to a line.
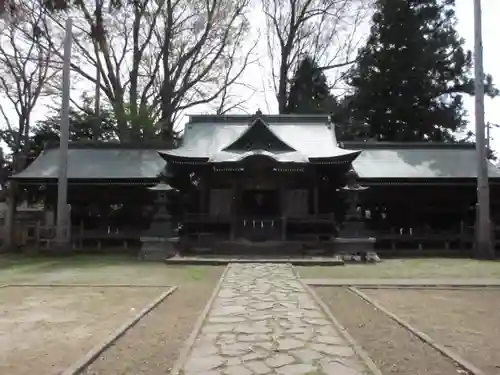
491,45
491,32
264,97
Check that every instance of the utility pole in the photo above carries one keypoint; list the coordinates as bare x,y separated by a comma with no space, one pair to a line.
97,123
483,226
62,229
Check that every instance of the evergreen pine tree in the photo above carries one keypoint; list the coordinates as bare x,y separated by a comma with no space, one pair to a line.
411,74
309,91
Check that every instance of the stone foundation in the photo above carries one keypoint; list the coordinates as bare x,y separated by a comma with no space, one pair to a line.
356,249
157,249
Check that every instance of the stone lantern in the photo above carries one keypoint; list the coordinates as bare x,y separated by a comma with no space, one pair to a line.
160,239
353,238
354,225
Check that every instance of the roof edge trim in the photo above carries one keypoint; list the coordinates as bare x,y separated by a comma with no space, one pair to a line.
167,156
91,145
353,154
405,145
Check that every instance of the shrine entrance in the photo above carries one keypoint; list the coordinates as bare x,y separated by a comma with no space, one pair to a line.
261,203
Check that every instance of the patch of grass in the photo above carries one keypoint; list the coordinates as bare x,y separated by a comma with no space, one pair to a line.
94,260
11,261
105,269
432,268
195,273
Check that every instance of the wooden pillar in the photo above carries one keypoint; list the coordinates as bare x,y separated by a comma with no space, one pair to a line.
316,201
234,209
283,210
203,198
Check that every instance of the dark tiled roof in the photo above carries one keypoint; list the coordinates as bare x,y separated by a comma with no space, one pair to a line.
207,136
110,162
378,160
385,160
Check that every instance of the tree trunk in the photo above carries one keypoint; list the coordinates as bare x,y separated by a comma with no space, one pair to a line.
12,197
10,239
282,94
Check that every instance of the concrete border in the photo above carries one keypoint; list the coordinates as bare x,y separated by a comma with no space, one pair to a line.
318,261
3,286
422,336
88,286
82,363
183,356
365,358
470,288
366,283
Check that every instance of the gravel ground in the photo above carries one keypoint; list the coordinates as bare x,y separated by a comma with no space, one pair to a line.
466,321
394,350
38,324
152,346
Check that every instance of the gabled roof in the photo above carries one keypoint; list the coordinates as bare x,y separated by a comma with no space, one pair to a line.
387,160
259,136
207,137
110,162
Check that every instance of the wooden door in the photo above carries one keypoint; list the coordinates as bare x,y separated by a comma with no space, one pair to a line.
220,202
296,203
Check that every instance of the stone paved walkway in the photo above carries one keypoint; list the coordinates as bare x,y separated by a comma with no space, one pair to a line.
263,321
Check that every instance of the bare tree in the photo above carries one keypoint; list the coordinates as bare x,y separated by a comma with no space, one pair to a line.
201,42
115,40
156,58
26,69
229,100
326,30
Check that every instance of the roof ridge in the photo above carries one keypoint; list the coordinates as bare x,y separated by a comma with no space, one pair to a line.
245,119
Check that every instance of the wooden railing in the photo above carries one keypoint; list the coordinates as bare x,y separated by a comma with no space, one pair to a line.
462,237
43,236
425,238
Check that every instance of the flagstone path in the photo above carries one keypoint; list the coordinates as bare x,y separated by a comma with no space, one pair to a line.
263,321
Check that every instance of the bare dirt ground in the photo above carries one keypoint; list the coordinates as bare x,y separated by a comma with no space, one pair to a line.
394,350
467,321
434,268
44,330
152,346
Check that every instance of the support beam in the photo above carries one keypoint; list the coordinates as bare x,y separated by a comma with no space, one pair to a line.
283,211
234,209
316,201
